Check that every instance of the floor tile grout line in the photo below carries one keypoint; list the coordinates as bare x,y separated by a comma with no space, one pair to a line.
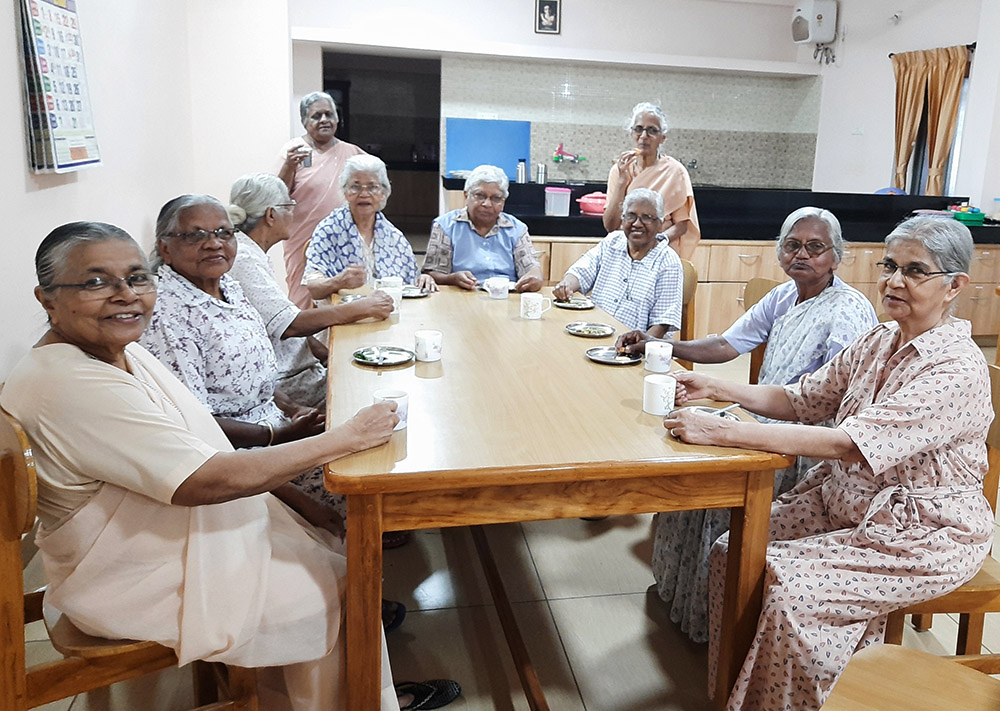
534,563
569,663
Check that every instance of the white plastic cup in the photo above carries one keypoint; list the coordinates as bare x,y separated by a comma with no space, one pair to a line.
658,356
658,393
393,286
427,345
498,287
533,305
399,397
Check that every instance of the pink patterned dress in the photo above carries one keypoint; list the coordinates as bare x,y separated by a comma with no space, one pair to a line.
853,542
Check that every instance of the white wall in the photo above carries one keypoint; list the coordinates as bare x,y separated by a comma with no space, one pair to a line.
854,151
715,34
163,128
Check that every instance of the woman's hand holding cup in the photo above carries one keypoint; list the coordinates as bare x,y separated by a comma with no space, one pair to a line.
372,425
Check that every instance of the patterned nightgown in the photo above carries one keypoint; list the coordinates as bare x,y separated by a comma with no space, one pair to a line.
852,543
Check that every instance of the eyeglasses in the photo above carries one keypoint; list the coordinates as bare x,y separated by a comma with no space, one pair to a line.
371,189
644,219
105,287
483,198
912,273
651,131
290,203
813,249
226,234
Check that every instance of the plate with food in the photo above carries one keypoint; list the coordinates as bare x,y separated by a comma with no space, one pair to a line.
411,291
706,410
609,355
382,356
577,303
348,298
586,329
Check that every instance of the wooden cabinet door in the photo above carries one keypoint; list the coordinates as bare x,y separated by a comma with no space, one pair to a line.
858,264
562,257
979,304
717,305
700,259
985,265
737,262
543,252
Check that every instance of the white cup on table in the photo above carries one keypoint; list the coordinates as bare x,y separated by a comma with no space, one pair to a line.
393,286
498,287
427,345
658,356
658,392
399,397
532,305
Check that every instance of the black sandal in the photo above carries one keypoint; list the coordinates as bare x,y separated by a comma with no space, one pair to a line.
430,694
393,614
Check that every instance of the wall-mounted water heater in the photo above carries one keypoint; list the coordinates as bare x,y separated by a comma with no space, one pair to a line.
814,21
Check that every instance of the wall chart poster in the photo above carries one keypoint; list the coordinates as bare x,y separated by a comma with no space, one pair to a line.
61,135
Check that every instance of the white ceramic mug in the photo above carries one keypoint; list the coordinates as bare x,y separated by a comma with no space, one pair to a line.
399,397
658,394
658,355
497,286
393,286
428,345
532,305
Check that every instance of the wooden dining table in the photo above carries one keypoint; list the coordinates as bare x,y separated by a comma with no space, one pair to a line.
514,423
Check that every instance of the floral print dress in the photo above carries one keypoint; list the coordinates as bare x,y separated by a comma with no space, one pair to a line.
853,542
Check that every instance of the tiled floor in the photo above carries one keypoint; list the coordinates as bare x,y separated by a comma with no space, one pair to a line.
599,638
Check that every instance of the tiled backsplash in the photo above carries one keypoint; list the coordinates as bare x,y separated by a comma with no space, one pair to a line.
741,130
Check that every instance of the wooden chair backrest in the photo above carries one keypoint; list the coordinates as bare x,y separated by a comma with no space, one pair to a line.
687,310
754,292
19,489
992,480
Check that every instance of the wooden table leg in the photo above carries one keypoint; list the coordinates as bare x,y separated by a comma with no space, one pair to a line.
748,534
364,601
522,662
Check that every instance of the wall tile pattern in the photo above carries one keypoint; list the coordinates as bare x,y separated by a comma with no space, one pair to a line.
743,130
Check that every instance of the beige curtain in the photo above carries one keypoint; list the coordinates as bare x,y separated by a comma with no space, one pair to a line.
936,74
911,70
944,90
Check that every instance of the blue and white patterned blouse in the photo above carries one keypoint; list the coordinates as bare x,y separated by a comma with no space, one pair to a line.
336,244
640,294
218,348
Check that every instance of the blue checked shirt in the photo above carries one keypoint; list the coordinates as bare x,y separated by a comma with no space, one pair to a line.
640,294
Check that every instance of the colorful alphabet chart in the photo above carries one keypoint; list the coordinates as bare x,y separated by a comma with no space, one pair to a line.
61,135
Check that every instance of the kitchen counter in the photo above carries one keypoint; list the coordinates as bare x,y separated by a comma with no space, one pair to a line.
739,213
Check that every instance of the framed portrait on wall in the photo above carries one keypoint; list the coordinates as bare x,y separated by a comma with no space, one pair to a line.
548,16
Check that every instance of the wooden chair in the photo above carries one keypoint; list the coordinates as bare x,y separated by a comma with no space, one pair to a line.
754,292
885,677
687,310
981,594
89,662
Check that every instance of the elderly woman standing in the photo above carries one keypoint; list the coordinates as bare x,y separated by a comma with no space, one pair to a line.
134,476
644,167
261,209
311,168
480,240
895,512
805,323
359,235
633,274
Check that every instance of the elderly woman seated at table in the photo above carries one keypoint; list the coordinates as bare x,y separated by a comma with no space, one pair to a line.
356,243
261,209
633,274
152,526
894,513
480,240
805,322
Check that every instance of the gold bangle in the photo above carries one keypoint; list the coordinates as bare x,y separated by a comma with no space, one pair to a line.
270,431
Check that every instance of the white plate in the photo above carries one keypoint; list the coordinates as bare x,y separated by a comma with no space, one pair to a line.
609,355
382,356
414,292
577,303
586,329
348,298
